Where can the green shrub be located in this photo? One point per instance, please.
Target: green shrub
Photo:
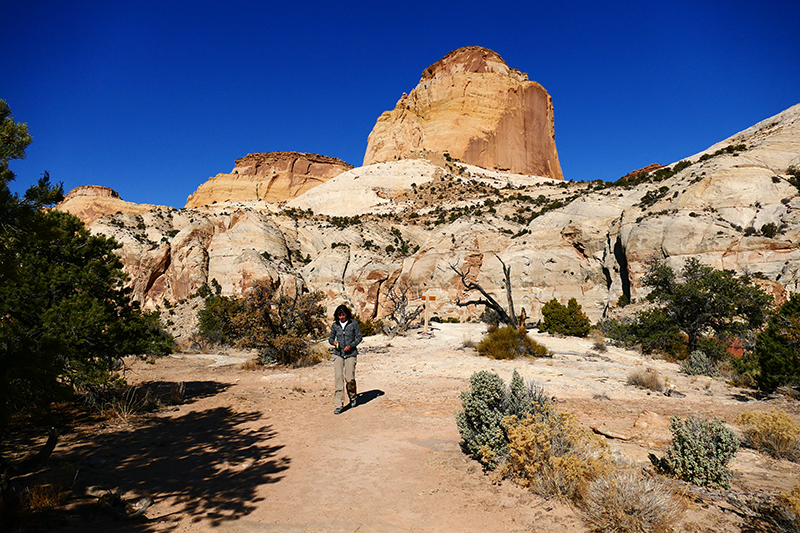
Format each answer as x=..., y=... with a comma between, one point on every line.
x=794, y=176
x=369, y=326
x=564, y=320
x=700, y=452
x=773, y=432
x=698, y=363
x=509, y=343
x=778, y=348
x=769, y=230
x=480, y=422
x=485, y=405
x=629, y=503
x=217, y=322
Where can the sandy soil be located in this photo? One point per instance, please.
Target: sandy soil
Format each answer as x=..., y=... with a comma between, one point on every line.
x=262, y=451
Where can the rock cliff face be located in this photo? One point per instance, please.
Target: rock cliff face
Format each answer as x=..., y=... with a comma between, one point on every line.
x=90, y=202
x=416, y=219
x=474, y=107
x=272, y=177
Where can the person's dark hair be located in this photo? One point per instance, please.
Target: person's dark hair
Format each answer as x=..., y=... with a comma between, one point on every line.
x=342, y=308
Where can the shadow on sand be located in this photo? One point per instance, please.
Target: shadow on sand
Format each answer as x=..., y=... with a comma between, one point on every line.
x=209, y=464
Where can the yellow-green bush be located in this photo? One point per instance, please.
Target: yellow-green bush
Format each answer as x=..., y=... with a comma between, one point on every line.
x=553, y=454
x=626, y=503
x=773, y=432
x=509, y=343
x=791, y=502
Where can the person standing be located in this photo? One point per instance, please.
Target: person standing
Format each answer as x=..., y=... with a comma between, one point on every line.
x=345, y=337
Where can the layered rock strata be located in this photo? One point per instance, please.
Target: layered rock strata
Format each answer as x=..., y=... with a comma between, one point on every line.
x=271, y=177
x=90, y=202
x=472, y=106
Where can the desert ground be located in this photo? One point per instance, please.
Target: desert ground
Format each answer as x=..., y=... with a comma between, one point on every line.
x=257, y=451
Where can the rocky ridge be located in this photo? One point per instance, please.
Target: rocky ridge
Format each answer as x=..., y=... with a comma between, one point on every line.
x=269, y=177
x=90, y=202
x=415, y=219
x=474, y=107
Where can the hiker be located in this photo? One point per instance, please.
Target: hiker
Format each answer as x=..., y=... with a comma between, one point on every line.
x=345, y=337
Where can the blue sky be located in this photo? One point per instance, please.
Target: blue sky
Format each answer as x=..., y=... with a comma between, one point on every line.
x=153, y=98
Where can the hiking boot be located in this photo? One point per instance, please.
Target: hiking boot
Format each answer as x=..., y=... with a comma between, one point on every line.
x=338, y=410
x=353, y=402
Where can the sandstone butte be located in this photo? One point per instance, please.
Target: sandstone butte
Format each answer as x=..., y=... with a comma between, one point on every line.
x=90, y=202
x=271, y=177
x=474, y=107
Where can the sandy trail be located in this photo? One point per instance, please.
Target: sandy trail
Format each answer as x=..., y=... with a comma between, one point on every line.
x=262, y=451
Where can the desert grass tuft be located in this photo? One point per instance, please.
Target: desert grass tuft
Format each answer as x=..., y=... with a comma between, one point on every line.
x=626, y=502
x=598, y=340
x=646, y=378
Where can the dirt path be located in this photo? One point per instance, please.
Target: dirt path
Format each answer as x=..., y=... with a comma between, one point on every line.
x=262, y=451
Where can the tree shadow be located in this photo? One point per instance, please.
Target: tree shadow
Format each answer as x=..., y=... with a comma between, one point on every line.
x=205, y=462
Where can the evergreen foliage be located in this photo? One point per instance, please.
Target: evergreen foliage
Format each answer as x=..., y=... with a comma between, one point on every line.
x=778, y=348
x=216, y=319
x=65, y=316
x=706, y=300
x=565, y=320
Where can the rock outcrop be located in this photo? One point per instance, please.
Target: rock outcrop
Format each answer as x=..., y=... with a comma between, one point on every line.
x=90, y=202
x=416, y=219
x=271, y=177
x=472, y=106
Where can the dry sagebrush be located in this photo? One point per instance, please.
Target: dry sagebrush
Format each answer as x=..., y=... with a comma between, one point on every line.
x=773, y=432
x=627, y=502
x=646, y=378
x=553, y=454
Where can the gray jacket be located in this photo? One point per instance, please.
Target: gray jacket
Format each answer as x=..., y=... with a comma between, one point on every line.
x=350, y=335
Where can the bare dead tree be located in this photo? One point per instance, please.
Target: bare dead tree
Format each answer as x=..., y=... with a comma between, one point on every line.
x=505, y=316
x=400, y=316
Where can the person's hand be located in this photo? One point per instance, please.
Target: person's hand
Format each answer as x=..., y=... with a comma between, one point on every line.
x=347, y=349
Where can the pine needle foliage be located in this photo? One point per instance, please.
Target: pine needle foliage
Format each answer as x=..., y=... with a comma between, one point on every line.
x=567, y=319
x=778, y=348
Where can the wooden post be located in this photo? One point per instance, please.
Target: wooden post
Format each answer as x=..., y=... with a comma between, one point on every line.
x=427, y=299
